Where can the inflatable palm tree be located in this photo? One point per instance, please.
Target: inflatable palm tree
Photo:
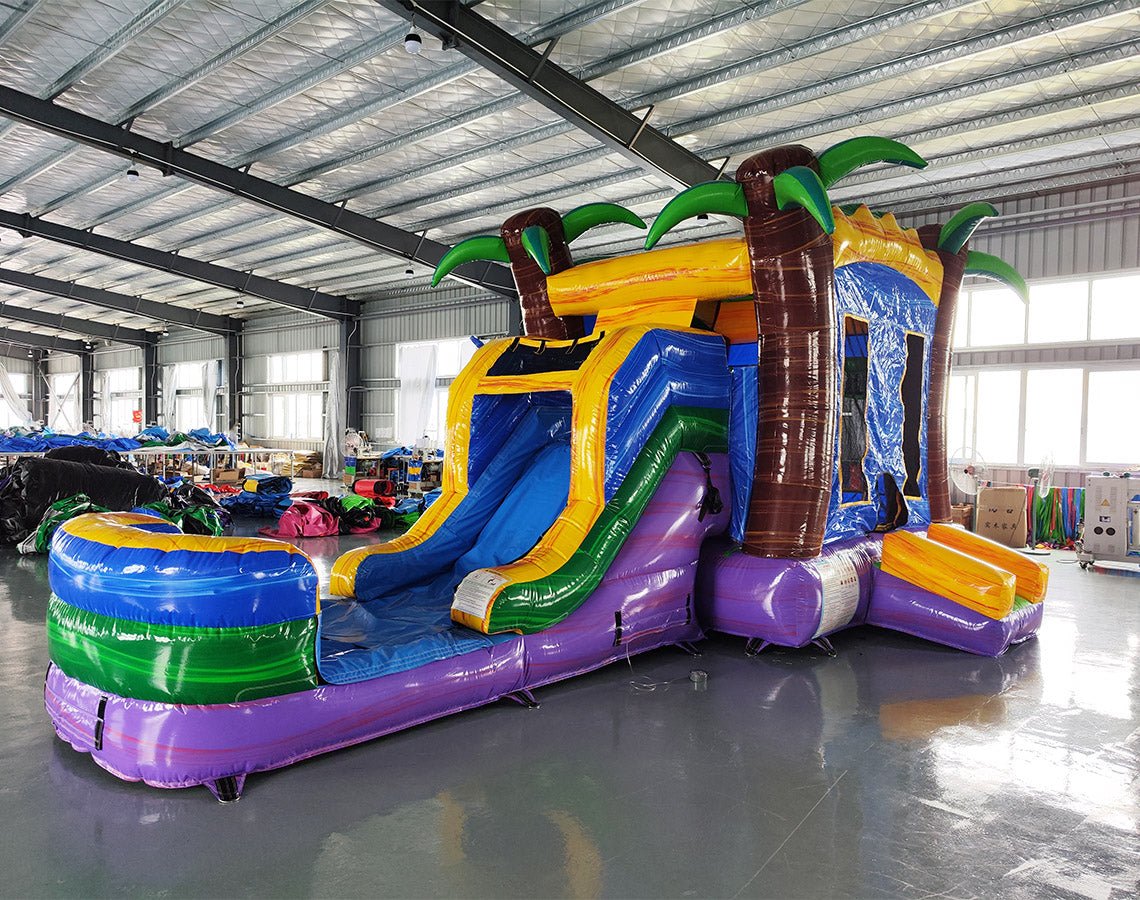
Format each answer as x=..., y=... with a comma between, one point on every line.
x=537, y=244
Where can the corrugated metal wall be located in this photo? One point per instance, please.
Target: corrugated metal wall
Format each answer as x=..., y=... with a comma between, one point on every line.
x=457, y=313
x=13, y=364
x=1073, y=232
x=188, y=345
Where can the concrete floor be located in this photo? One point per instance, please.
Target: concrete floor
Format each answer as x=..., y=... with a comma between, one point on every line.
x=897, y=769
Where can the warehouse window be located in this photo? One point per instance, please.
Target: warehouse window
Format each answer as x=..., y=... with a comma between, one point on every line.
x=297, y=417
x=123, y=396
x=63, y=402
x=986, y=411
x=297, y=368
x=1062, y=402
x=997, y=429
x=1115, y=312
x=426, y=370
x=194, y=401
x=1113, y=427
x=1100, y=309
x=1058, y=312
x=997, y=317
x=21, y=383
x=1053, y=415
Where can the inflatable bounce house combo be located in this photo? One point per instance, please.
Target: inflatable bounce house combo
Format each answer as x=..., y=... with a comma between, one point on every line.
x=743, y=435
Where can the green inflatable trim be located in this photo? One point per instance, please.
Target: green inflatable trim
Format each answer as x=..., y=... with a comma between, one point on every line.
x=721, y=197
x=180, y=664
x=533, y=606
x=845, y=157
x=536, y=243
x=802, y=187
x=578, y=221
x=481, y=247
x=957, y=231
x=988, y=266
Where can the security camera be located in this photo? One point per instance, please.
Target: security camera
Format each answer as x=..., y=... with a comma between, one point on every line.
x=413, y=43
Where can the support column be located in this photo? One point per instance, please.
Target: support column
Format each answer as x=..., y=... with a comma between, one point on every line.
x=39, y=386
x=150, y=384
x=86, y=388
x=231, y=373
x=349, y=347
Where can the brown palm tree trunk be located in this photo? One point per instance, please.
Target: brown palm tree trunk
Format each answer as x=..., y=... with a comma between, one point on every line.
x=937, y=463
x=538, y=317
x=793, y=283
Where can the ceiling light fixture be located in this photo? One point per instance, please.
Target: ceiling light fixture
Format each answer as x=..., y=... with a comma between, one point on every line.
x=413, y=43
x=240, y=304
x=133, y=175
x=409, y=271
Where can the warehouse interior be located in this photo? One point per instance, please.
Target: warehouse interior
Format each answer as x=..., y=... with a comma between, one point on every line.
x=220, y=223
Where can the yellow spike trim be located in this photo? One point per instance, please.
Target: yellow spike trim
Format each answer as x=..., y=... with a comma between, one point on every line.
x=861, y=237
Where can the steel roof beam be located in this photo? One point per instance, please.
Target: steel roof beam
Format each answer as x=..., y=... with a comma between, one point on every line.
x=1038, y=26
x=16, y=18
x=290, y=295
x=1063, y=65
x=171, y=161
x=108, y=49
x=174, y=87
x=150, y=309
x=552, y=86
x=804, y=49
x=43, y=341
x=308, y=80
x=119, y=333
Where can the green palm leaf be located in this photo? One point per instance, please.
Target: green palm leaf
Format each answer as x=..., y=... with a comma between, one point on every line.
x=485, y=246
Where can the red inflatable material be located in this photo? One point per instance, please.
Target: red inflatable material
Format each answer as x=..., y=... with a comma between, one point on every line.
x=304, y=519
x=374, y=487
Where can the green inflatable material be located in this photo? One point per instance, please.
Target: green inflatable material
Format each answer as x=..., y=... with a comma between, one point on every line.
x=535, y=605
x=181, y=664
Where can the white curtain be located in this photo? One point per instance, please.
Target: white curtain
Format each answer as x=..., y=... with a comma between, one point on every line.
x=169, y=397
x=209, y=391
x=20, y=412
x=417, y=367
x=103, y=392
x=335, y=409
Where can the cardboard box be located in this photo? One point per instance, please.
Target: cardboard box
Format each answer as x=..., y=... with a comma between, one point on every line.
x=226, y=476
x=963, y=514
x=1002, y=515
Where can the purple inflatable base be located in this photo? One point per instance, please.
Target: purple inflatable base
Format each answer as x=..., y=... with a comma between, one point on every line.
x=901, y=606
x=783, y=601
x=793, y=603
x=644, y=602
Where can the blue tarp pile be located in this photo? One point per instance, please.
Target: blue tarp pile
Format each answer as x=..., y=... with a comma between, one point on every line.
x=261, y=495
x=19, y=440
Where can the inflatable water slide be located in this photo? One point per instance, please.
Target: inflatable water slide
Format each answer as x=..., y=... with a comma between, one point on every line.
x=743, y=435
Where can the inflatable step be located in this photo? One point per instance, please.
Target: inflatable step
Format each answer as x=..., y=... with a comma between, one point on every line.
x=943, y=570
x=1031, y=576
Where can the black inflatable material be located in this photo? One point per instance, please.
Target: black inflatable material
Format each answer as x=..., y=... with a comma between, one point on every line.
x=97, y=456
x=33, y=484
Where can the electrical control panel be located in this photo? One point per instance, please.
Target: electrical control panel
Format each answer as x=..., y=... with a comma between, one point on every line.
x=1112, y=519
